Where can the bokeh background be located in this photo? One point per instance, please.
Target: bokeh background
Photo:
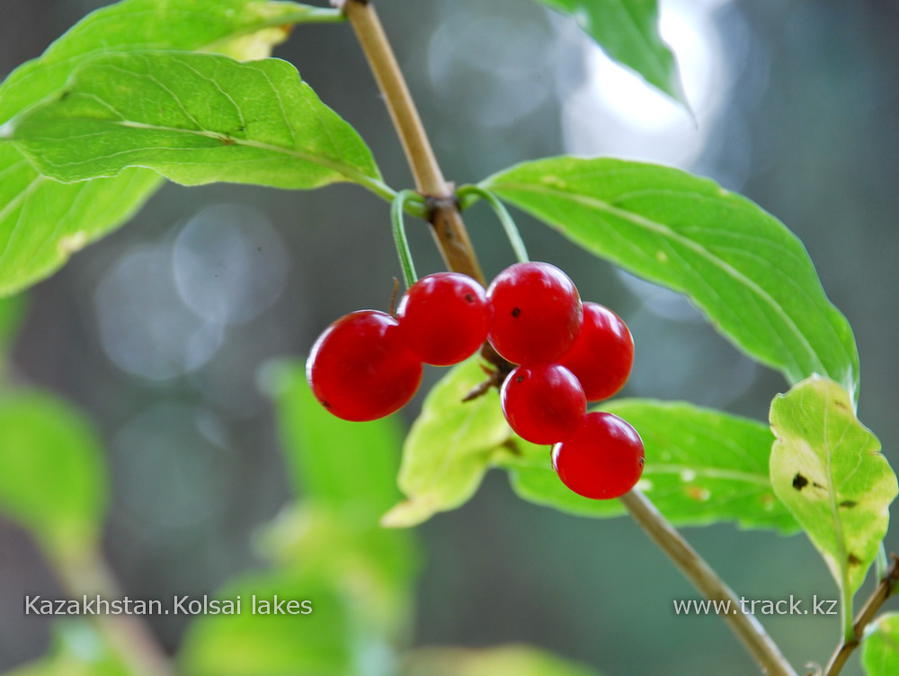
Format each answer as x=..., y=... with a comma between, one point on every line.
x=158, y=331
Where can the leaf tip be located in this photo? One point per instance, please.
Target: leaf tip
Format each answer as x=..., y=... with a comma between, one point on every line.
x=407, y=514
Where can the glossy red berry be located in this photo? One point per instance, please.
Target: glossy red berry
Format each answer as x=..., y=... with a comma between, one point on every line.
x=543, y=404
x=444, y=318
x=602, y=460
x=536, y=313
x=602, y=354
x=360, y=368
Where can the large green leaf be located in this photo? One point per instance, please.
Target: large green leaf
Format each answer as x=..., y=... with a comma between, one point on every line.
x=828, y=470
x=194, y=118
x=628, y=31
x=880, y=648
x=52, y=477
x=739, y=264
x=520, y=660
x=42, y=222
x=246, y=644
x=702, y=466
x=449, y=448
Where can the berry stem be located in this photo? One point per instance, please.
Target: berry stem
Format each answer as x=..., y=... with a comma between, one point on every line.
x=399, y=235
x=455, y=246
x=505, y=218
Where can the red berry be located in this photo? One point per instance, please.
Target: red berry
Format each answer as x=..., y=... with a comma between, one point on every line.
x=602, y=354
x=536, y=313
x=360, y=368
x=543, y=404
x=444, y=318
x=604, y=458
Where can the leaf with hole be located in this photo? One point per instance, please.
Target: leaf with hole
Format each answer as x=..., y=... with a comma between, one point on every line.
x=826, y=467
x=749, y=274
x=42, y=222
x=449, y=448
x=628, y=32
x=702, y=466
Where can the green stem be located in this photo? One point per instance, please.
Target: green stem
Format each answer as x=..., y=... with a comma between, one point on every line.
x=505, y=218
x=881, y=563
x=846, y=610
x=310, y=14
x=871, y=607
x=84, y=571
x=399, y=234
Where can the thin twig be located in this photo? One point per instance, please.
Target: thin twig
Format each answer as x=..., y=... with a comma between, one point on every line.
x=446, y=223
x=881, y=593
x=453, y=241
x=130, y=637
x=748, y=629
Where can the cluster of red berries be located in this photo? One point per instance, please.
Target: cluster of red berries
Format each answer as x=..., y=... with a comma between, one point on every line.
x=368, y=364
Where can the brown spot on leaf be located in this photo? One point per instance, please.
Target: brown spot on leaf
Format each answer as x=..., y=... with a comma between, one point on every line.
x=853, y=559
x=799, y=482
x=697, y=493
x=848, y=504
x=226, y=140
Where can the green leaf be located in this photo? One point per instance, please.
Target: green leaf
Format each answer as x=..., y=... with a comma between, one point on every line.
x=194, y=118
x=702, y=466
x=449, y=448
x=246, y=644
x=628, y=32
x=880, y=648
x=520, y=660
x=346, y=474
x=52, y=477
x=43, y=222
x=333, y=462
x=740, y=265
x=828, y=470
x=374, y=566
x=194, y=25
x=11, y=311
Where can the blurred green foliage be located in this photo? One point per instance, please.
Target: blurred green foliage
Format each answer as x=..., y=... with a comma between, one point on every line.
x=53, y=479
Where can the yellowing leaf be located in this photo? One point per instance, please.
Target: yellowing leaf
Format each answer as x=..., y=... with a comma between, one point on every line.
x=450, y=447
x=827, y=469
